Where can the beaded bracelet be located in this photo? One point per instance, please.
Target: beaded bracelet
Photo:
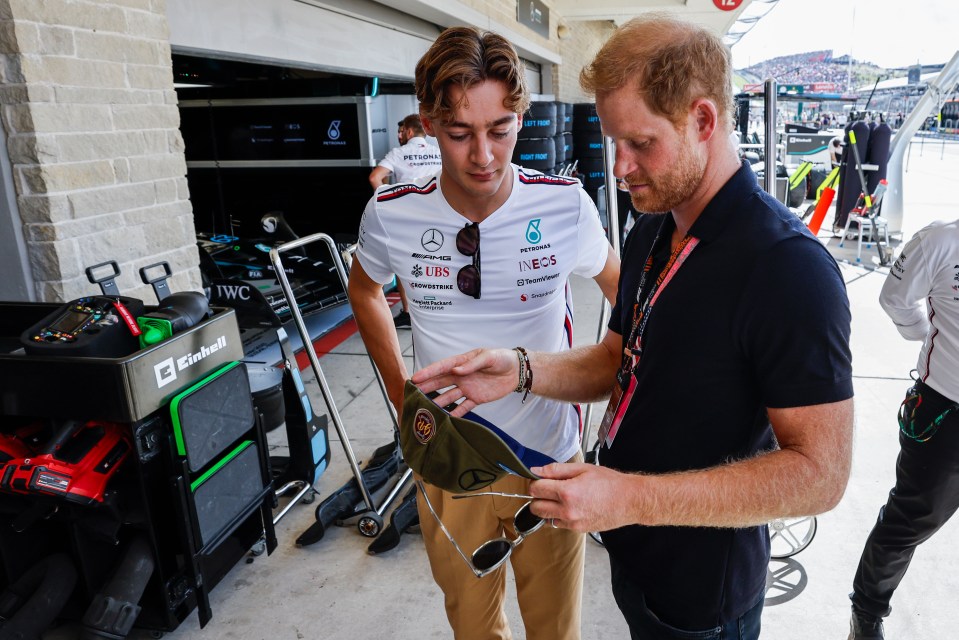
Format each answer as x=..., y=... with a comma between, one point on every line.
x=526, y=373
x=521, y=383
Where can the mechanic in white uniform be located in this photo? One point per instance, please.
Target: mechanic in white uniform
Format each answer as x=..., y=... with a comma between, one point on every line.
x=927, y=470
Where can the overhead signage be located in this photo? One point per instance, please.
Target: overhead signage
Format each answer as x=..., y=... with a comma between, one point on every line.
x=273, y=132
x=534, y=14
x=727, y=5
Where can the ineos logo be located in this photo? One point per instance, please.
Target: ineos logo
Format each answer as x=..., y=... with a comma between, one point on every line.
x=432, y=240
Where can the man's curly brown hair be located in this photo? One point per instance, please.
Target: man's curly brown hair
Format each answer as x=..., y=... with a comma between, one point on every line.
x=464, y=57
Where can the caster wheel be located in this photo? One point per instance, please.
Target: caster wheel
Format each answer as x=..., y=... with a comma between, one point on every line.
x=258, y=548
x=789, y=536
x=370, y=525
x=156, y=634
x=309, y=497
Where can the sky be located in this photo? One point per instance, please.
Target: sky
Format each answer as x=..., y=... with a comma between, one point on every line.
x=889, y=33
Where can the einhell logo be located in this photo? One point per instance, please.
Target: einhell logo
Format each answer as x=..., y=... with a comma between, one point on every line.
x=166, y=371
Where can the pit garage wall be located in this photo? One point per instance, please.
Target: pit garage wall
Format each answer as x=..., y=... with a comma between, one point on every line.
x=356, y=37
x=96, y=167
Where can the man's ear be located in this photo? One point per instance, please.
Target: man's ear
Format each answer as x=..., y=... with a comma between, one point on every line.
x=706, y=117
x=519, y=121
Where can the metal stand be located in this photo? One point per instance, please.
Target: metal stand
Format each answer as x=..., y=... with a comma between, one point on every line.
x=612, y=233
x=369, y=521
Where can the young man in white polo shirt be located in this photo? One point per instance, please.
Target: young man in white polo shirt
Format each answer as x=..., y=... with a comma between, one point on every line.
x=485, y=250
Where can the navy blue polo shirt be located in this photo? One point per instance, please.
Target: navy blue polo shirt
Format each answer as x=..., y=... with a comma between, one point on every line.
x=756, y=317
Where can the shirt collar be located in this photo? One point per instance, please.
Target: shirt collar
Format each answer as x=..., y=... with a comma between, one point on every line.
x=718, y=211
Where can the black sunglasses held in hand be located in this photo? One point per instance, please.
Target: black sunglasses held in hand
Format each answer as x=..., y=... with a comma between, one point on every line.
x=468, y=243
x=491, y=554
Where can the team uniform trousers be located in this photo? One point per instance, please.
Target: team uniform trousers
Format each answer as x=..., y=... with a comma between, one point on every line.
x=925, y=496
x=548, y=566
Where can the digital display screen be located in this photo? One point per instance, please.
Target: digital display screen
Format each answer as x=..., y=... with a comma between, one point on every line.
x=272, y=132
x=70, y=322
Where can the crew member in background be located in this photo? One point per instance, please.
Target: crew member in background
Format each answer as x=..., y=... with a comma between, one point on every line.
x=927, y=469
x=415, y=158
x=835, y=151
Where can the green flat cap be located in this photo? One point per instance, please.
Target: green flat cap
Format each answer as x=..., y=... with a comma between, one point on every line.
x=454, y=454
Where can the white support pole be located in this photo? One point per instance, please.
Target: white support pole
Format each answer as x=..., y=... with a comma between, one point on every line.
x=892, y=207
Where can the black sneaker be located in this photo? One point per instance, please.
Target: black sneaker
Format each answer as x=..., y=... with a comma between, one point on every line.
x=865, y=627
x=402, y=320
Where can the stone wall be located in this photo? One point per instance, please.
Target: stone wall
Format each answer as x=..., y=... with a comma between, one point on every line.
x=89, y=109
x=578, y=50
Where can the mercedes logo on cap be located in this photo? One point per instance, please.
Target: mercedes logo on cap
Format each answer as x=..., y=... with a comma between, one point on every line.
x=432, y=240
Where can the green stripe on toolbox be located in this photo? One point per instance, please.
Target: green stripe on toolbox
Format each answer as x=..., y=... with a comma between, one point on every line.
x=175, y=404
x=219, y=465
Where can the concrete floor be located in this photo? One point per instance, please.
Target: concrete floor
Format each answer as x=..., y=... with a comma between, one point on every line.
x=334, y=589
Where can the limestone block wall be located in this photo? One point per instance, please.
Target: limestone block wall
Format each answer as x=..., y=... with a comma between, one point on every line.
x=90, y=114
x=579, y=49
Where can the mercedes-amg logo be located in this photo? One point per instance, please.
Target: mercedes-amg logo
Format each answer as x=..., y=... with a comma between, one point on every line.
x=473, y=479
x=432, y=240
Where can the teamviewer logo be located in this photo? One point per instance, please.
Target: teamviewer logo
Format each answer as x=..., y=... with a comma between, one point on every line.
x=165, y=372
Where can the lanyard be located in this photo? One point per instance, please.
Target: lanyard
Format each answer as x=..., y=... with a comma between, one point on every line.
x=642, y=311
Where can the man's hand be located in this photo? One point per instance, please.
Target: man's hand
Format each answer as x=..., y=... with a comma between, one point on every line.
x=584, y=497
x=478, y=376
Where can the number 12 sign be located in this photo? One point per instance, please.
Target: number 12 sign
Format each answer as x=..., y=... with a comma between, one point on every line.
x=727, y=5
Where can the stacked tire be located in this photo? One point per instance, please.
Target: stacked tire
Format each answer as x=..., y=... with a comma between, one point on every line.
x=588, y=147
x=535, y=144
x=564, y=135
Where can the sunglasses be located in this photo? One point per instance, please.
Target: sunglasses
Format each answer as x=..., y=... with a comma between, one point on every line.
x=491, y=554
x=468, y=243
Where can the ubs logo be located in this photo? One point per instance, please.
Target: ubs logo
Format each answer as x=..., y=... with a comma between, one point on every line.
x=432, y=240
x=333, y=133
x=424, y=426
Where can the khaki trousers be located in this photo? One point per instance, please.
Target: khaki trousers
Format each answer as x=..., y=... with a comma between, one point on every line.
x=547, y=565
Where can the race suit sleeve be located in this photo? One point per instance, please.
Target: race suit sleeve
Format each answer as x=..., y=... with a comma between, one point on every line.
x=907, y=285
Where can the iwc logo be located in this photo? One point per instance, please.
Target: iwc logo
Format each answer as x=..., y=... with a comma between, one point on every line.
x=432, y=240
x=424, y=426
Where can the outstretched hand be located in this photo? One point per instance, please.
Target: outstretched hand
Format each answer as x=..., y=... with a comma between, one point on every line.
x=478, y=376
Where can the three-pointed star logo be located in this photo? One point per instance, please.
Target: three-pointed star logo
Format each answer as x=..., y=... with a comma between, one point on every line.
x=473, y=479
x=432, y=240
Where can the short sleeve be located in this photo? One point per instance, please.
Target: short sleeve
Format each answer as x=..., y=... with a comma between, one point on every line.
x=795, y=326
x=372, y=246
x=389, y=162
x=593, y=244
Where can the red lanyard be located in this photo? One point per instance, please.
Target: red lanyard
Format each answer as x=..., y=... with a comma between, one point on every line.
x=641, y=312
